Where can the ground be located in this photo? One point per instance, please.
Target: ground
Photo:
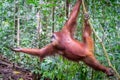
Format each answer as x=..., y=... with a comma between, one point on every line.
x=11, y=71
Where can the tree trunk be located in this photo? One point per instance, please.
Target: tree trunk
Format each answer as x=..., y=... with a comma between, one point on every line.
x=39, y=27
x=53, y=10
x=67, y=8
x=17, y=24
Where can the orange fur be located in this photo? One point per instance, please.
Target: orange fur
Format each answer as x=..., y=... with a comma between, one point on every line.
x=63, y=43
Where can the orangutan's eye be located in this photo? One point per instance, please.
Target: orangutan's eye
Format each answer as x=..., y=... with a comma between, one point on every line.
x=53, y=37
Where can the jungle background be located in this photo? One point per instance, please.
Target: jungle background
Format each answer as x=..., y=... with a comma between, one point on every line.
x=30, y=23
